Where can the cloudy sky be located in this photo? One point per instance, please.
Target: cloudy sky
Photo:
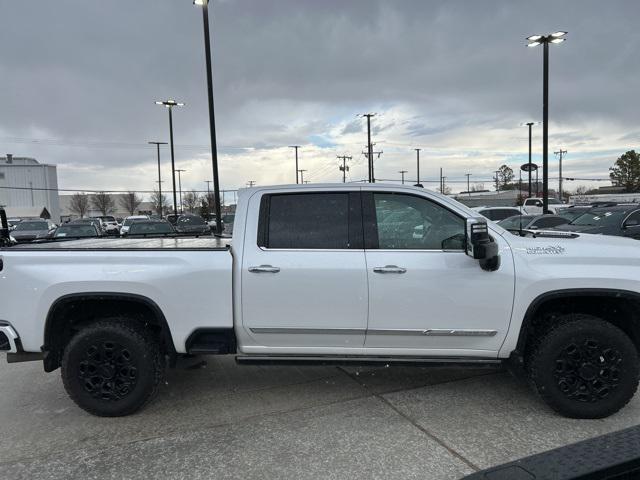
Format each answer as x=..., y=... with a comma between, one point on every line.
x=78, y=81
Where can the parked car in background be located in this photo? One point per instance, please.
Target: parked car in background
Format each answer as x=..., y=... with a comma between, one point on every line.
x=532, y=222
x=75, y=230
x=13, y=222
x=29, y=230
x=497, y=213
x=96, y=222
x=571, y=212
x=194, y=224
x=147, y=228
x=129, y=220
x=533, y=206
x=172, y=218
x=618, y=220
x=227, y=222
x=109, y=225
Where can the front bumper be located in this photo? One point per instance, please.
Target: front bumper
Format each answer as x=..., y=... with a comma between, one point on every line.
x=9, y=339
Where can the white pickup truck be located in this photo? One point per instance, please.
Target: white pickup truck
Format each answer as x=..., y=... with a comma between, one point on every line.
x=534, y=206
x=331, y=274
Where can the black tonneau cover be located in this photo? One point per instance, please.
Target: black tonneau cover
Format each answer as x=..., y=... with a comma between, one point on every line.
x=118, y=244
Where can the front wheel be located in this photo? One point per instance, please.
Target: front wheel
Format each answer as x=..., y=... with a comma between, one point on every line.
x=112, y=368
x=584, y=367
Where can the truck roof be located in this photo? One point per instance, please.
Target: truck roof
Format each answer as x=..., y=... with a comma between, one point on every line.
x=157, y=243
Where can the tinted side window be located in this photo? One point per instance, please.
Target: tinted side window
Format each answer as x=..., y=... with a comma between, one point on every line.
x=306, y=220
x=633, y=220
x=412, y=222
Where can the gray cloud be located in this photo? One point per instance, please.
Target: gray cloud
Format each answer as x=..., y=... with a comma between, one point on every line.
x=289, y=70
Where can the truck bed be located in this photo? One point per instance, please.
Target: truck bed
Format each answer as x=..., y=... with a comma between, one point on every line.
x=158, y=243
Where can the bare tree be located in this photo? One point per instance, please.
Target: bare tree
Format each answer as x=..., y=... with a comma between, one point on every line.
x=79, y=204
x=190, y=200
x=130, y=202
x=581, y=190
x=102, y=202
x=207, y=205
x=160, y=203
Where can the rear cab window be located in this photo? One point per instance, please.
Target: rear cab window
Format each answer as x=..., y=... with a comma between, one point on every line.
x=322, y=220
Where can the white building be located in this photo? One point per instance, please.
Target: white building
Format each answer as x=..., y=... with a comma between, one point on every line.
x=28, y=188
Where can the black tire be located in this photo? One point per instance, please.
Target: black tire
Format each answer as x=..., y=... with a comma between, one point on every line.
x=112, y=368
x=584, y=367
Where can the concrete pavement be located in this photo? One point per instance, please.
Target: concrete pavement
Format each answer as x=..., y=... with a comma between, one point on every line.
x=227, y=421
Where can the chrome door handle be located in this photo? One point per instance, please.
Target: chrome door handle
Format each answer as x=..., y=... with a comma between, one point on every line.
x=264, y=269
x=389, y=269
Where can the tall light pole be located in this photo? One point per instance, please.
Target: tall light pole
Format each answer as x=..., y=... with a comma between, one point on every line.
x=170, y=104
x=402, y=172
x=296, y=147
x=157, y=144
x=418, y=184
x=179, y=171
x=212, y=119
x=529, y=124
x=468, y=187
x=545, y=40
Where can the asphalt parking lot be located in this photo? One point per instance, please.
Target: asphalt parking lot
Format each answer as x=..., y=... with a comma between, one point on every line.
x=220, y=420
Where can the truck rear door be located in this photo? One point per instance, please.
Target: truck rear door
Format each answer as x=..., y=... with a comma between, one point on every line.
x=304, y=278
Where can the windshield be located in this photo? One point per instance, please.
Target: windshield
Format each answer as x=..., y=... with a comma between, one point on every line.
x=77, y=230
x=107, y=219
x=554, y=201
x=143, y=228
x=513, y=223
x=191, y=221
x=24, y=226
x=600, y=218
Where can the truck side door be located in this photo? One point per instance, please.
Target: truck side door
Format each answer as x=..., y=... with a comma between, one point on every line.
x=425, y=295
x=304, y=278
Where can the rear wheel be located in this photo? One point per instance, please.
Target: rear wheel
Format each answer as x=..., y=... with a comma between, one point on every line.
x=584, y=367
x=112, y=368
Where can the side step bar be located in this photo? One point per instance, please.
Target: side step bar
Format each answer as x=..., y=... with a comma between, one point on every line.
x=358, y=360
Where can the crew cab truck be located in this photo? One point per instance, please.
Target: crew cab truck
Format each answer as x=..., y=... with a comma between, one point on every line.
x=331, y=273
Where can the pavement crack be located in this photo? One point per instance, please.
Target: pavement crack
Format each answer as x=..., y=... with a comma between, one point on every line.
x=414, y=422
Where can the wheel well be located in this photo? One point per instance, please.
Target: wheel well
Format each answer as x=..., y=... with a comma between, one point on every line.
x=619, y=308
x=70, y=313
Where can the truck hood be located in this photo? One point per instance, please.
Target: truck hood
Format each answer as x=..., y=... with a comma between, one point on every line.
x=584, y=247
x=581, y=229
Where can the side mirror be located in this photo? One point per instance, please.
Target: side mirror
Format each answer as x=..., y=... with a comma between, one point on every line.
x=480, y=245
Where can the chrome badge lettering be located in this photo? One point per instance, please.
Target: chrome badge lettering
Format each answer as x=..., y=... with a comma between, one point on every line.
x=548, y=250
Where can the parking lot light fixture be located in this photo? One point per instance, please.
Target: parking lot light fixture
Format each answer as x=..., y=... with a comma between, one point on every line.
x=545, y=40
x=170, y=104
x=204, y=4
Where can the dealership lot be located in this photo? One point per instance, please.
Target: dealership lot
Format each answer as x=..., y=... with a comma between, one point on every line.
x=216, y=419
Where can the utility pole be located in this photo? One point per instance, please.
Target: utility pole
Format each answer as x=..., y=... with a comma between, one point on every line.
x=402, y=172
x=208, y=182
x=251, y=183
x=498, y=181
x=296, y=147
x=468, y=186
x=370, y=146
x=417, y=166
x=344, y=168
x=561, y=153
x=180, y=188
x=157, y=144
x=440, y=179
x=443, y=185
x=302, y=175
